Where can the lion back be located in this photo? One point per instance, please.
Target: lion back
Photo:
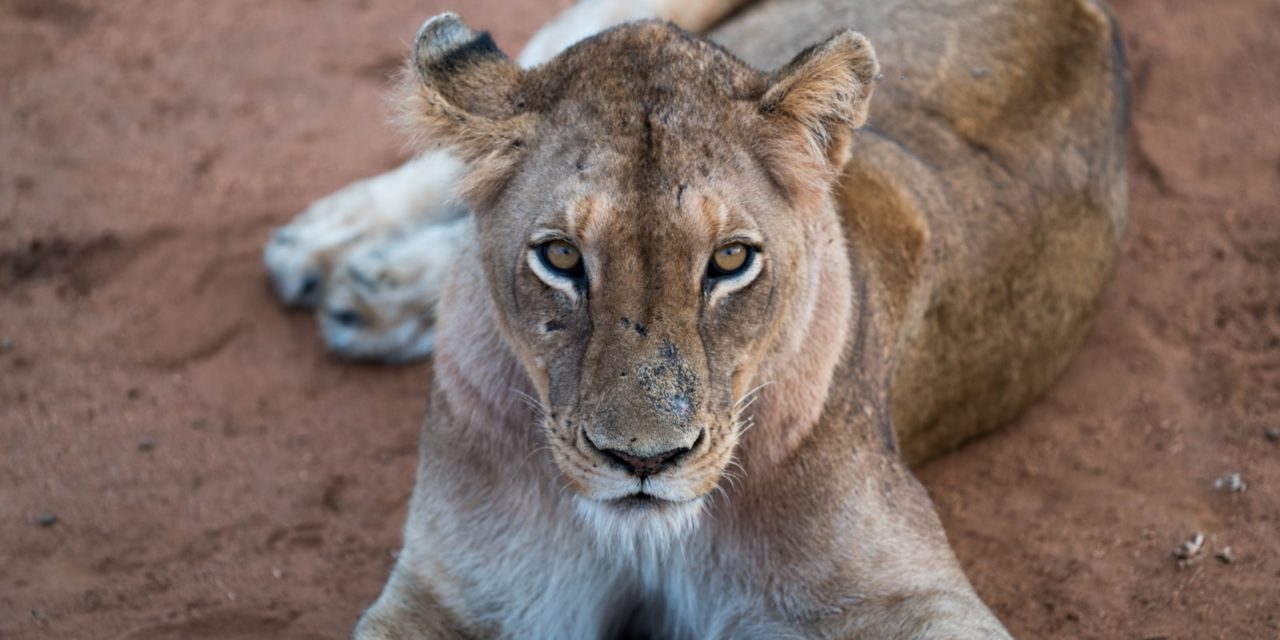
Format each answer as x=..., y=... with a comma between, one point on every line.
x=987, y=191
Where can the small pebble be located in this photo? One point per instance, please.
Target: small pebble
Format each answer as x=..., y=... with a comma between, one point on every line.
x=277, y=574
x=1188, y=552
x=1225, y=556
x=1273, y=434
x=1231, y=482
x=979, y=72
x=46, y=520
x=146, y=444
x=6, y=345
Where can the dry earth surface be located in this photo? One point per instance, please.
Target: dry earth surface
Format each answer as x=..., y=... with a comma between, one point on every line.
x=180, y=459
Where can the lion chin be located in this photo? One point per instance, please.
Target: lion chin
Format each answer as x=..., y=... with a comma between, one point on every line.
x=639, y=526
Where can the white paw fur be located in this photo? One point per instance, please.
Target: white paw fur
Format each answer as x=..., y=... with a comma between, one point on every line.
x=301, y=255
x=381, y=297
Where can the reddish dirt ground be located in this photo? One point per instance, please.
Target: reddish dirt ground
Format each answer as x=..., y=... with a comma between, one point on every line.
x=180, y=459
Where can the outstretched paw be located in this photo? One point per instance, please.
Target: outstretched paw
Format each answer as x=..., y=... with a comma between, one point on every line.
x=380, y=302
x=301, y=255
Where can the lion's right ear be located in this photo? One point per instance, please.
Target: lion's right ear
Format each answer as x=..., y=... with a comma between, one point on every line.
x=814, y=104
x=461, y=94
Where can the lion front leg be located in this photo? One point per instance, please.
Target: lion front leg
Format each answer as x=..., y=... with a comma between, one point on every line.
x=407, y=610
x=932, y=615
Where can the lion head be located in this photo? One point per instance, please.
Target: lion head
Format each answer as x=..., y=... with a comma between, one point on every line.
x=654, y=223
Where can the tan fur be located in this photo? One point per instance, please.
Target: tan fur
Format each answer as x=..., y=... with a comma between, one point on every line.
x=930, y=275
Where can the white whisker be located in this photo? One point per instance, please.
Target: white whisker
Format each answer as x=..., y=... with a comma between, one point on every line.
x=753, y=391
x=535, y=451
x=533, y=402
x=722, y=493
x=746, y=406
x=705, y=507
x=733, y=462
x=733, y=479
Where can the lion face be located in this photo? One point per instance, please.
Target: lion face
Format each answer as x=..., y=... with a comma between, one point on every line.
x=640, y=308
x=645, y=206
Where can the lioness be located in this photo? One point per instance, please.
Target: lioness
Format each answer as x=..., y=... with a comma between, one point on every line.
x=694, y=323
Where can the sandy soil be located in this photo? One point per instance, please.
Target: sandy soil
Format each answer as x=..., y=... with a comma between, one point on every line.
x=180, y=459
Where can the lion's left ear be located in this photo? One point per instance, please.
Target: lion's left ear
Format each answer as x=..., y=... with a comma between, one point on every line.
x=462, y=95
x=814, y=103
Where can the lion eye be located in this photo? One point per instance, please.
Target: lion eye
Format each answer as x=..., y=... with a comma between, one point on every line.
x=562, y=258
x=729, y=260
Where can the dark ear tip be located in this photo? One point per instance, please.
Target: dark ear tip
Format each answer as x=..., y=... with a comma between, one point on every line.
x=440, y=35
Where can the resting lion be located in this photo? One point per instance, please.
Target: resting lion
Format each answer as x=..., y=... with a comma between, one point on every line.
x=695, y=322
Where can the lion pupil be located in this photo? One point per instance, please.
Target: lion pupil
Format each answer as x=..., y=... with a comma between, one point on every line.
x=730, y=258
x=562, y=255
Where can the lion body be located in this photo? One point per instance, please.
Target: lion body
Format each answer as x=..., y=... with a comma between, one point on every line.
x=943, y=282
x=987, y=189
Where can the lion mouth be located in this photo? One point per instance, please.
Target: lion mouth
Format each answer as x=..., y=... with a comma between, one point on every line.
x=641, y=501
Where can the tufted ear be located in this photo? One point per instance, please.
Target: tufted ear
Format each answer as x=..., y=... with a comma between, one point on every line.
x=461, y=94
x=812, y=106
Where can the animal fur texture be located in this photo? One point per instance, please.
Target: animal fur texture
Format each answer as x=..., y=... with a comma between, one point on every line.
x=933, y=204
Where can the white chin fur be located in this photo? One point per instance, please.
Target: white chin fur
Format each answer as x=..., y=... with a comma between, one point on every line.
x=640, y=532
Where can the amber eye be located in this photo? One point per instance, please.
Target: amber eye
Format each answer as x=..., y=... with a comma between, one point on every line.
x=562, y=258
x=729, y=260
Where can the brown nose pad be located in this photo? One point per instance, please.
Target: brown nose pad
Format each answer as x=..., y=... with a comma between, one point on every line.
x=644, y=467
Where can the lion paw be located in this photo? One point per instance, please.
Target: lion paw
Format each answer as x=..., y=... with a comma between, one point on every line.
x=380, y=301
x=301, y=255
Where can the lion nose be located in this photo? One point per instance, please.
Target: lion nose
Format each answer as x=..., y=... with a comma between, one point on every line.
x=643, y=466
x=647, y=466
